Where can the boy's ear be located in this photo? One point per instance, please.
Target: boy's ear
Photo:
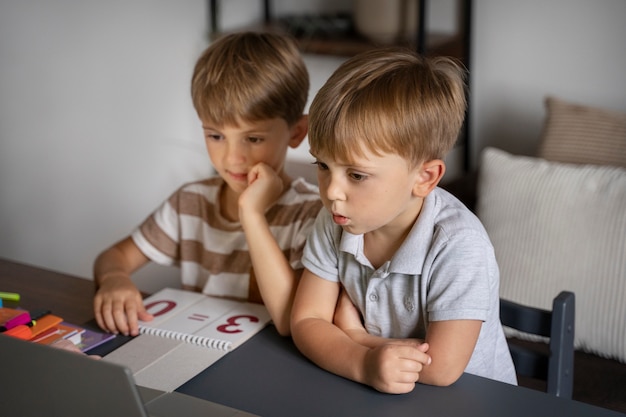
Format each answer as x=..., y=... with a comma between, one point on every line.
x=298, y=131
x=428, y=176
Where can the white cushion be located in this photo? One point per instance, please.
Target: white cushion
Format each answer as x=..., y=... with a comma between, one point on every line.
x=557, y=226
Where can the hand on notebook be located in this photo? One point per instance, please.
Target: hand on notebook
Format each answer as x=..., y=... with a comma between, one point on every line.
x=118, y=306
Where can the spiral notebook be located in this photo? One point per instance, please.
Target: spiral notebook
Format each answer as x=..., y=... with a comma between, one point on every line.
x=189, y=332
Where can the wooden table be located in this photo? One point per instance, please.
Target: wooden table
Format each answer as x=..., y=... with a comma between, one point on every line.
x=66, y=296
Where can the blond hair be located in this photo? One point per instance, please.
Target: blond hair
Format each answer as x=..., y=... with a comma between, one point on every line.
x=389, y=100
x=250, y=76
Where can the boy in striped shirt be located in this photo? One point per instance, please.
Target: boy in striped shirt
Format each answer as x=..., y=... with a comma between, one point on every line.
x=241, y=233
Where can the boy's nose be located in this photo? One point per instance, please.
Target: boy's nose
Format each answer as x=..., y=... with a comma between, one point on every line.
x=334, y=190
x=235, y=153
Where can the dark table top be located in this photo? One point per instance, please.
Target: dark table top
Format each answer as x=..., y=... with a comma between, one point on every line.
x=268, y=376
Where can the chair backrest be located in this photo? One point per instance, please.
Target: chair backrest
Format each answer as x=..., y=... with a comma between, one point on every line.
x=557, y=365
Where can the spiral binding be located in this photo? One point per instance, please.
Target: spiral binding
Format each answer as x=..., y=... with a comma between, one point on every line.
x=208, y=342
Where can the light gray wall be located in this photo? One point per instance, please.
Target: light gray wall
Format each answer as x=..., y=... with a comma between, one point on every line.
x=525, y=50
x=97, y=128
x=96, y=124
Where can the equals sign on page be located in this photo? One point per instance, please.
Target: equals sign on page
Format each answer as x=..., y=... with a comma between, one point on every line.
x=198, y=317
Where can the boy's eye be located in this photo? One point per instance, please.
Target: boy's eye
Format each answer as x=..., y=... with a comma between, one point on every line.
x=214, y=136
x=320, y=165
x=357, y=177
x=254, y=139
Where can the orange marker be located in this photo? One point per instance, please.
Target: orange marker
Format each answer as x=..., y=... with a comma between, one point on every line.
x=21, y=332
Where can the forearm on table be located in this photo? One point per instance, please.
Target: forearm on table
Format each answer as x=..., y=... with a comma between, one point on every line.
x=451, y=344
x=444, y=369
x=440, y=372
x=118, y=262
x=362, y=337
x=110, y=265
x=330, y=348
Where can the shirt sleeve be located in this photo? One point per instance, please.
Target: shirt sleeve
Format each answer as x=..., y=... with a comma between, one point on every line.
x=321, y=249
x=158, y=236
x=462, y=279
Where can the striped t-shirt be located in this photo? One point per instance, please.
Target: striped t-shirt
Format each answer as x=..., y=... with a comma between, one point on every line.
x=188, y=231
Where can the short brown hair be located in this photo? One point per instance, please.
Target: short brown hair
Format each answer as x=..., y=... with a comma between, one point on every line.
x=389, y=100
x=250, y=76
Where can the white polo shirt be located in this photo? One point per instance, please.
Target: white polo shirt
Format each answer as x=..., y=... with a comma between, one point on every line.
x=444, y=270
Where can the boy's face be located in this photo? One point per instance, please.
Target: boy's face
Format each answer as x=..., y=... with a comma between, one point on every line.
x=370, y=193
x=234, y=150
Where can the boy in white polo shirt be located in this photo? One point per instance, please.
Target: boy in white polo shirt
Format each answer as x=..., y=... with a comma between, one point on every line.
x=420, y=281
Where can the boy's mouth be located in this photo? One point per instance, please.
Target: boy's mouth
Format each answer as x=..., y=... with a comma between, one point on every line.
x=238, y=176
x=340, y=220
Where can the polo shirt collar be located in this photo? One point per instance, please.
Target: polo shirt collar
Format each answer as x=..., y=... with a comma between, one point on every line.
x=410, y=256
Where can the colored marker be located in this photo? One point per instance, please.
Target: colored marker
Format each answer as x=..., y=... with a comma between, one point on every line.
x=21, y=332
x=21, y=318
x=9, y=296
x=37, y=314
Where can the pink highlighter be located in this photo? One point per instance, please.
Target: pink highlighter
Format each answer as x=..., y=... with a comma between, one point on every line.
x=22, y=318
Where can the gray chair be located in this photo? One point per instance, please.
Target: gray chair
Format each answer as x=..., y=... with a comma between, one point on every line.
x=557, y=365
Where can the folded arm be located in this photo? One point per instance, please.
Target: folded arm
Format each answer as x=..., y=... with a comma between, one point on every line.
x=390, y=367
x=348, y=318
x=450, y=343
